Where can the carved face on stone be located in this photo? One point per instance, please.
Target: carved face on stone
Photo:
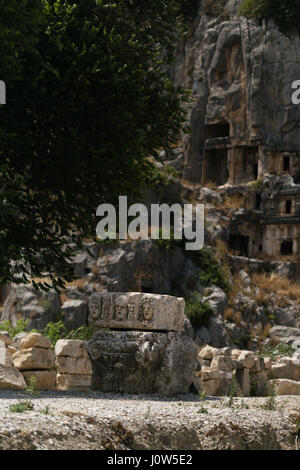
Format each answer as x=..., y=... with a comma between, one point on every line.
x=147, y=308
x=95, y=307
x=121, y=307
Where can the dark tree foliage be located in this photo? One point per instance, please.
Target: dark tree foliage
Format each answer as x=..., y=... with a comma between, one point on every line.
x=87, y=103
x=285, y=13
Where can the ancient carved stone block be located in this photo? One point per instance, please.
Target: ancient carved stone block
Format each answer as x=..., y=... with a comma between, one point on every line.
x=142, y=362
x=136, y=311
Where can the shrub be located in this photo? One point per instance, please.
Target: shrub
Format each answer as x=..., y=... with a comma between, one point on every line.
x=21, y=407
x=20, y=327
x=285, y=13
x=270, y=404
x=169, y=243
x=189, y=9
x=212, y=7
x=281, y=349
x=212, y=273
x=55, y=331
x=198, y=312
x=30, y=393
x=84, y=333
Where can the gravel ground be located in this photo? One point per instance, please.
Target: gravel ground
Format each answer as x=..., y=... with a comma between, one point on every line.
x=108, y=421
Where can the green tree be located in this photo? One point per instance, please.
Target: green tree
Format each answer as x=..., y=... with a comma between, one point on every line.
x=88, y=102
x=285, y=13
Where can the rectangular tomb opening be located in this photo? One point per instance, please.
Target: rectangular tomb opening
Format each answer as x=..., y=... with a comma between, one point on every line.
x=286, y=248
x=239, y=244
x=216, y=167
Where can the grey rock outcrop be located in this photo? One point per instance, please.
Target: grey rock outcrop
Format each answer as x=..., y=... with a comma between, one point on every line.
x=36, y=306
x=74, y=313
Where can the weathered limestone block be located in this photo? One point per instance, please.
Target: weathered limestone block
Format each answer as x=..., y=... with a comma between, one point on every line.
x=209, y=375
x=247, y=359
x=34, y=340
x=258, y=381
x=222, y=352
x=259, y=364
x=281, y=371
x=287, y=368
x=73, y=382
x=74, y=313
x=5, y=356
x=235, y=353
x=142, y=362
x=243, y=379
x=207, y=352
x=73, y=365
x=211, y=387
x=224, y=363
x=204, y=362
x=45, y=379
x=71, y=348
x=4, y=336
x=268, y=363
x=17, y=339
x=11, y=378
x=285, y=386
x=226, y=379
x=136, y=311
x=34, y=359
x=11, y=350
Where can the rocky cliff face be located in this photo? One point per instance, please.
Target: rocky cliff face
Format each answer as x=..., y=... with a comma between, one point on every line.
x=241, y=76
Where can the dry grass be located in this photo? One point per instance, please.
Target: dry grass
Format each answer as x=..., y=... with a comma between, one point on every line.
x=95, y=270
x=63, y=297
x=222, y=249
x=78, y=282
x=262, y=298
x=42, y=280
x=269, y=284
x=233, y=316
x=234, y=202
x=235, y=288
x=228, y=314
x=211, y=185
x=189, y=184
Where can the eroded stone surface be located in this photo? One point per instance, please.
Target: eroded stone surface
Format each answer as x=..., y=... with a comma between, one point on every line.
x=73, y=365
x=73, y=382
x=71, y=348
x=34, y=340
x=285, y=386
x=5, y=356
x=142, y=362
x=45, y=379
x=34, y=359
x=11, y=378
x=136, y=311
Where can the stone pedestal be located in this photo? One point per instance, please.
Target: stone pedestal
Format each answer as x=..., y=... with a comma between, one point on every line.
x=136, y=362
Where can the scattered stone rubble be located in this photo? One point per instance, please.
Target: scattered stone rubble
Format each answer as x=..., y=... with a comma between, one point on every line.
x=253, y=375
x=67, y=368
